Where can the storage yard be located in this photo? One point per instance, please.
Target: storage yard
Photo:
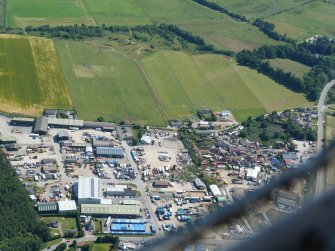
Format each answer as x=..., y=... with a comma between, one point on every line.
x=70, y=165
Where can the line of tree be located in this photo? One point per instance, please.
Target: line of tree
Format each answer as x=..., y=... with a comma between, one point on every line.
x=166, y=31
x=266, y=27
x=21, y=229
x=312, y=83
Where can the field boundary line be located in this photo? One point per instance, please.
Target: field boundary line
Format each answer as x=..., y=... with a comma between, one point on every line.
x=88, y=11
x=177, y=80
x=154, y=95
x=209, y=82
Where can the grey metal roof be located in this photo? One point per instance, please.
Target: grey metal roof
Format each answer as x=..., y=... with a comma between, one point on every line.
x=93, y=124
x=63, y=133
x=66, y=122
x=199, y=183
x=110, y=151
x=41, y=125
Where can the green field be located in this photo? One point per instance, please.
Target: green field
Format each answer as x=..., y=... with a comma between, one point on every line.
x=304, y=22
x=66, y=223
x=258, y=8
x=108, y=84
x=41, y=12
x=117, y=12
x=290, y=66
x=216, y=28
x=185, y=83
x=30, y=76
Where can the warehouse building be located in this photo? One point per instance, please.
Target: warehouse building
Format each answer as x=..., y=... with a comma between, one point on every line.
x=215, y=190
x=67, y=206
x=63, y=135
x=65, y=123
x=110, y=152
x=106, y=126
x=89, y=190
x=19, y=121
x=161, y=184
x=118, y=190
x=96, y=210
x=199, y=183
x=47, y=207
x=41, y=126
x=7, y=140
x=102, y=143
x=146, y=140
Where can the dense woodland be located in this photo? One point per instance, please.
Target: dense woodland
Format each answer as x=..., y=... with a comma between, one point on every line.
x=21, y=229
x=319, y=55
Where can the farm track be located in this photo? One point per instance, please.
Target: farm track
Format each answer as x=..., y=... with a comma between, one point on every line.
x=143, y=74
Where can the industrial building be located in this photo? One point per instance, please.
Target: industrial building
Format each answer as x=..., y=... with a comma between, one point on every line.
x=67, y=206
x=252, y=173
x=47, y=207
x=117, y=190
x=7, y=140
x=110, y=210
x=215, y=190
x=89, y=190
x=199, y=183
x=110, y=152
x=19, y=121
x=146, y=140
x=102, y=143
x=41, y=126
x=160, y=184
x=63, y=135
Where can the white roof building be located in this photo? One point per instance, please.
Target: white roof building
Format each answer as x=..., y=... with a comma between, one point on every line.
x=215, y=190
x=252, y=174
x=89, y=190
x=146, y=140
x=67, y=206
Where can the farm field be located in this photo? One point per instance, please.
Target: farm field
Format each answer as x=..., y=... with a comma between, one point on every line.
x=258, y=9
x=22, y=13
x=116, y=12
x=216, y=28
x=30, y=76
x=304, y=22
x=185, y=83
x=103, y=83
x=290, y=66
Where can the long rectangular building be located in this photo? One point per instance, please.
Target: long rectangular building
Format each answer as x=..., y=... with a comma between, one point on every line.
x=110, y=210
x=89, y=190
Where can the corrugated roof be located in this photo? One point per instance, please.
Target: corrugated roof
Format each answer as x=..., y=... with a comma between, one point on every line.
x=99, y=209
x=48, y=206
x=89, y=187
x=66, y=122
x=20, y=119
x=41, y=124
x=110, y=151
x=215, y=190
x=7, y=138
x=67, y=205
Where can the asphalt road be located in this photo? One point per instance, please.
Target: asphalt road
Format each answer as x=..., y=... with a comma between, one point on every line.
x=320, y=178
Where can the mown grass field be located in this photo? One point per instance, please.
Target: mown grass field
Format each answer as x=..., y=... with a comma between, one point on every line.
x=185, y=83
x=260, y=8
x=103, y=83
x=21, y=13
x=329, y=137
x=290, y=66
x=309, y=20
x=30, y=75
x=217, y=29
